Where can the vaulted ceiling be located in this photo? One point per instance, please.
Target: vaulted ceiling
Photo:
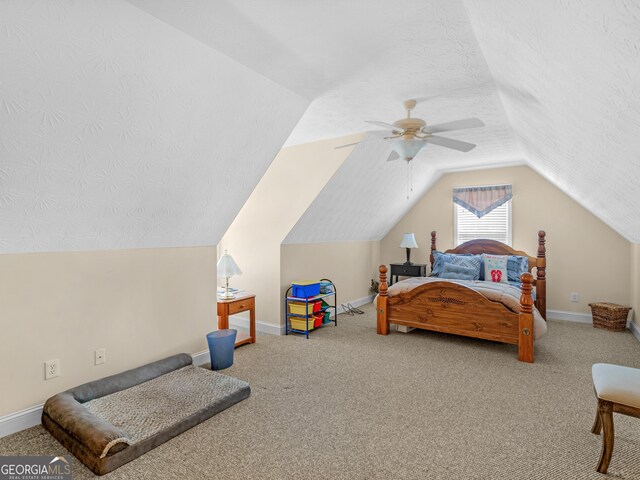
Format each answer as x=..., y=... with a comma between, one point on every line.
x=148, y=123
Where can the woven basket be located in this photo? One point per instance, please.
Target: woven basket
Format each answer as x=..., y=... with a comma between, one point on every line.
x=609, y=316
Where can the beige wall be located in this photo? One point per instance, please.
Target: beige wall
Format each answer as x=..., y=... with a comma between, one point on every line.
x=141, y=305
x=350, y=265
x=291, y=183
x=635, y=283
x=583, y=254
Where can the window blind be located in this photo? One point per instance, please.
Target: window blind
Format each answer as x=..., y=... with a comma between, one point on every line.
x=495, y=225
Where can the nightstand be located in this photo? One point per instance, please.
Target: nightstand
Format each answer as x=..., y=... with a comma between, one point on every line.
x=244, y=303
x=402, y=270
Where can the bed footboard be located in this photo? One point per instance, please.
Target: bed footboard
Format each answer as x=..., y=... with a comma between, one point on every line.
x=525, y=320
x=452, y=308
x=383, y=322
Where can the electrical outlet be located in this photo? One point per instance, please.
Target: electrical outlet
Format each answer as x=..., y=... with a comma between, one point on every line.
x=51, y=369
x=574, y=297
x=101, y=356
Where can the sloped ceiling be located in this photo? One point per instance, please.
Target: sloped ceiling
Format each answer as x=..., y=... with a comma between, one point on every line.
x=368, y=195
x=119, y=131
x=359, y=60
x=125, y=125
x=568, y=78
x=576, y=112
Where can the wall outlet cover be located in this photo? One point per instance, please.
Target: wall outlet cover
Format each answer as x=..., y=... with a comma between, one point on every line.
x=51, y=369
x=100, y=356
x=574, y=296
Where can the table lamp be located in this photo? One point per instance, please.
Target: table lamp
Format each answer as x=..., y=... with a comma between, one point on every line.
x=408, y=242
x=227, y=268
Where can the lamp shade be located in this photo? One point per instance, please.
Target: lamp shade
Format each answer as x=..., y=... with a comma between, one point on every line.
x=408, y=148
x=408, y=241
x=227, y=267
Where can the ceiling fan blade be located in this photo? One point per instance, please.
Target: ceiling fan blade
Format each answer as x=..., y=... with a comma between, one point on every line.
x=346, y=145
x=393, y=156
x=386, y=125
x=376, y=138
x=455, y=125
x=449, y=143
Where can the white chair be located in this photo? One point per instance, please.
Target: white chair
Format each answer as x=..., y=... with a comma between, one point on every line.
x=618, y=390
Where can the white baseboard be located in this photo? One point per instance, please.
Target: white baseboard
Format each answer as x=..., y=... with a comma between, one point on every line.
x=586, y=318
x=30, y=417
x=355, y=303
x=569, y=316
x=634, y=329
x=14, y=422
x=241, y=322
x=200, y=358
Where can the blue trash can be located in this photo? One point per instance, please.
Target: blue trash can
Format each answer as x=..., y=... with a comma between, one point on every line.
x=221, y=345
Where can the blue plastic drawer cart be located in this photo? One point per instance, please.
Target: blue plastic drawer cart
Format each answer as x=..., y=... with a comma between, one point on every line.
x=328, y=307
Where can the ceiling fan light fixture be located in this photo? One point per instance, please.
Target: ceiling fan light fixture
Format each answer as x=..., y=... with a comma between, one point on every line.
x=408, y=148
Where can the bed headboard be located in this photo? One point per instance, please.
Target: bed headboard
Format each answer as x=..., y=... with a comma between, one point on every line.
x=494, y=247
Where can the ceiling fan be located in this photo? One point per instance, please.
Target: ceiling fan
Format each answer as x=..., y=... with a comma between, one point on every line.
x=413, y=134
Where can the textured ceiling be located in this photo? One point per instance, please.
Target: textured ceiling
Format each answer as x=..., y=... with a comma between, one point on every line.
x=576, y=111
x=119, y=131
x=124, y=125
x=433, y=54
x=358, y=61
x=367, y=196
x=568, y=78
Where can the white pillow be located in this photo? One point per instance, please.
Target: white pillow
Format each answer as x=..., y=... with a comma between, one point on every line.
x=495, y=268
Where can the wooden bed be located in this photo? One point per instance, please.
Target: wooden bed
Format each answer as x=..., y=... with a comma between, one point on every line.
x=453, y=308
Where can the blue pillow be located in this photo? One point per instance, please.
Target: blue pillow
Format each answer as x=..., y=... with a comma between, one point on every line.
x=471, y=262
x=516, y=266
x=440, y=258
x=438, y=263
x=459, y=272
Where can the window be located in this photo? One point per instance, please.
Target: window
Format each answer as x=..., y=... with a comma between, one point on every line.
x=495, y=225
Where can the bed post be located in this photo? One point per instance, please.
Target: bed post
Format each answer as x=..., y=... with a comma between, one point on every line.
x=383, y=324
x=541, y=275
x=525, y=320
x=433, y=247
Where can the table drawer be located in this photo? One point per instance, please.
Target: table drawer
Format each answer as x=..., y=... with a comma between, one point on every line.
x=408, y=270
x=241, y=306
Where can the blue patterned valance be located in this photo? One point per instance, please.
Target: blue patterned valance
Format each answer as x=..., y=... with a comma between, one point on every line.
x=482, y=200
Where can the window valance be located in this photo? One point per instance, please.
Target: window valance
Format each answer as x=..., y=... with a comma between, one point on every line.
x=482, y=200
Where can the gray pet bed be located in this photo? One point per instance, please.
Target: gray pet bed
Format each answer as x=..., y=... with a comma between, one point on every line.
x=112, y=421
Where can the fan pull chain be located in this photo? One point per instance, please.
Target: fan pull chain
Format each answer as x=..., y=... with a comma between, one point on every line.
x=409, y=179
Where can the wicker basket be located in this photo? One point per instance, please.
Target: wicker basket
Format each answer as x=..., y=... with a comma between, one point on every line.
x=609, y=316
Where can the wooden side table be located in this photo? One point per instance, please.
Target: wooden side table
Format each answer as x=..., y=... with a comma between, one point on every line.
x=236, y=305
x=403, y=270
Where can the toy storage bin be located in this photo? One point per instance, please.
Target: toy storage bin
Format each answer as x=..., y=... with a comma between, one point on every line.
x=326, y=287
x=301, y=323
x=317, y=319
x=327, y=317
x=305, y=289
x=302, y=308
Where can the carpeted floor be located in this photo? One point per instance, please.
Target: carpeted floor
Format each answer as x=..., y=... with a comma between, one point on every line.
x=349, y=404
